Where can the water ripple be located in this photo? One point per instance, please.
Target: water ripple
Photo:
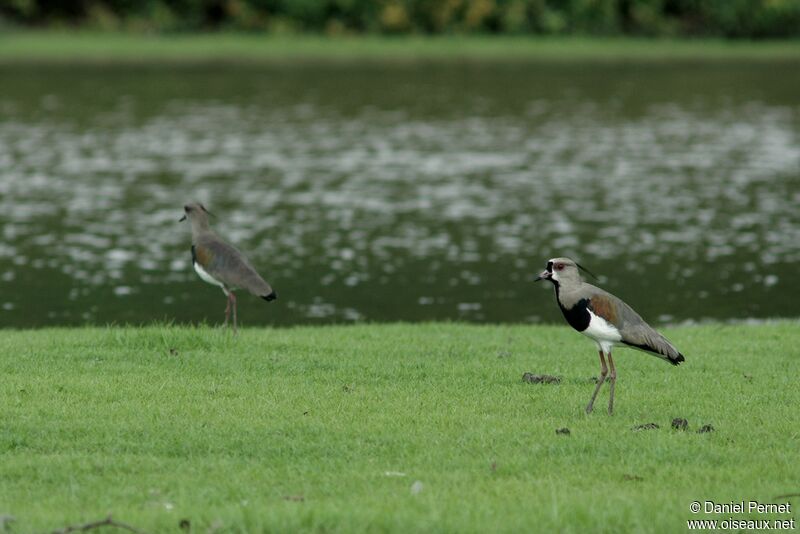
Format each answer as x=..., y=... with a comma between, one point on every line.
x=379, y=200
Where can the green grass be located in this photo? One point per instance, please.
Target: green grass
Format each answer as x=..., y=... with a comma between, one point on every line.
x=227, y=432
x=89, y=46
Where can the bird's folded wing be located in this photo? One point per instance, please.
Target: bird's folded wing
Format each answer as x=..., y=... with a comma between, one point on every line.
x=634, y=330
x=227, y=264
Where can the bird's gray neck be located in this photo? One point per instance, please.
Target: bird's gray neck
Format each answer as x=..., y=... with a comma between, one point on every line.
x=199, y=228
x=568, y=295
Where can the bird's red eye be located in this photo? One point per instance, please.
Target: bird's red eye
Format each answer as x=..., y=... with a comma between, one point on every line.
x=559, y=266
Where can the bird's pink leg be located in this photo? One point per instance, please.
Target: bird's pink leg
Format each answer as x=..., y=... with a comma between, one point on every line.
x=233, y=300
x=613, y=380
x=227, y=309
x=603, y=373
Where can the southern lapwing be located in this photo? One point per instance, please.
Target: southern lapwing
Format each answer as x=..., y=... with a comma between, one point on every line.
x=607, y=320
x=221, y=264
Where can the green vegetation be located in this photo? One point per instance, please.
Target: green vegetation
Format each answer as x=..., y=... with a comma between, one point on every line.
x=718, y=18
x=82, y=46
x=327, y=429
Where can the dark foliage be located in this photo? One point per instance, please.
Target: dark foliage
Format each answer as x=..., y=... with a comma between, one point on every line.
x=720, y=18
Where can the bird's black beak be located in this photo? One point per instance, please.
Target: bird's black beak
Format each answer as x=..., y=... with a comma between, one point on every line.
x=544, y=275
x=182, y=218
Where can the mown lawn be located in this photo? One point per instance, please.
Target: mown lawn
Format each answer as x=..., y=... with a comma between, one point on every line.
x=26, y=46
x=388, y=428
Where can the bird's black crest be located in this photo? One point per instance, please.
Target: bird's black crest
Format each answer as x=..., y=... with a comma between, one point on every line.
x=206, y=210
x=587, y=271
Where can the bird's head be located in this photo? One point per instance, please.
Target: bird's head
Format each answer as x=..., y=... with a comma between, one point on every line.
x=562, y=271
x=197, y=214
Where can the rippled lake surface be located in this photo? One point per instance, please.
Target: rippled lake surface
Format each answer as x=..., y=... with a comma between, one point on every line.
x=410, y=191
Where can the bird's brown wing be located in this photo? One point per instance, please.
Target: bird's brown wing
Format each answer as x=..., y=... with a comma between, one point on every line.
x=634, y=330
x=225, y=263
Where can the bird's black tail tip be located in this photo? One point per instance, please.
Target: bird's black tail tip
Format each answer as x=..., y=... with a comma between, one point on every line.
x=272, y=296
x=677, y=360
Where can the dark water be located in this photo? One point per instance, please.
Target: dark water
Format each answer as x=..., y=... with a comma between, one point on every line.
x=400, y=192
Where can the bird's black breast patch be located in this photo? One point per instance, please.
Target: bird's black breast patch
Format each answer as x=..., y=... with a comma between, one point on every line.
x=578, y=316
x=194, y=256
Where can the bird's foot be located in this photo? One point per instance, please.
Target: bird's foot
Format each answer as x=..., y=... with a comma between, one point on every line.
x=589, y=408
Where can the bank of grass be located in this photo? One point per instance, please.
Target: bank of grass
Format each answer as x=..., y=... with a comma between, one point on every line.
x=328, y=429
x=30, y=46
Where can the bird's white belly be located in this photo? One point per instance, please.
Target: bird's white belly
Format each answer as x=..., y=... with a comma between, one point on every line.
x=602, y=332
x=207, y=277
